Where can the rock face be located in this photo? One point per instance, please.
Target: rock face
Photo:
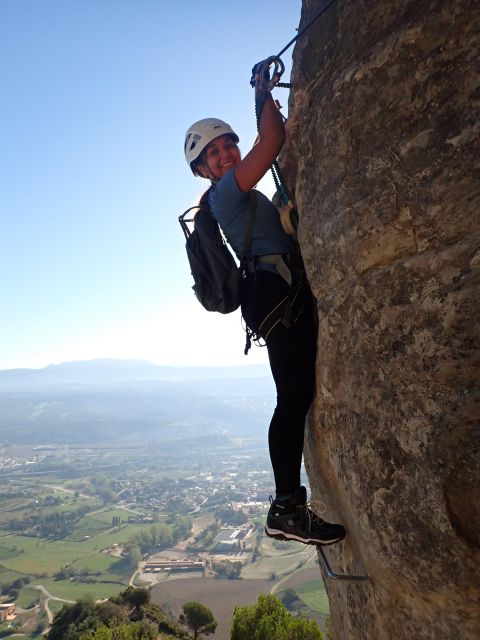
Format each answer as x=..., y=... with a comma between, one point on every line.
x=383, y=153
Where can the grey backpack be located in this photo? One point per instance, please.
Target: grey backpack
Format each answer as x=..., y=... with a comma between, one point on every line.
x=217, y=277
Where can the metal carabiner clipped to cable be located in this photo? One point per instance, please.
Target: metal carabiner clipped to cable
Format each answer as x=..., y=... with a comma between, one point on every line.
x=261, y=78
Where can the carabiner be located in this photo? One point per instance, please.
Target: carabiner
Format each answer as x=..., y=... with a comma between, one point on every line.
x=261, y=78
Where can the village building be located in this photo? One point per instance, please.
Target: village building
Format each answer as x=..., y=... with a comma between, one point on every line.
x=173, y=565
x=7, y=611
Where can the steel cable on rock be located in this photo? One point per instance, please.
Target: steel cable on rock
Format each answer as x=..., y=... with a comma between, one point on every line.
x=258, y=77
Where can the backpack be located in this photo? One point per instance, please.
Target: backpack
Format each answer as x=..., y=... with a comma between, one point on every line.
x=218, y=278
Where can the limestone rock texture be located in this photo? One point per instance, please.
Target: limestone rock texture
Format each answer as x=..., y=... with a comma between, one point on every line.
x=383, y=153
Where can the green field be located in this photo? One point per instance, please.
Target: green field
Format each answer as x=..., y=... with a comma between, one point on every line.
x=105, y=515
x=72, y=590
x=19, y=507
x=277, y=561
x=264, y=568
x=4, y=627
x=40, y=557
x=27, y=597
x=8, y=576
x=55, y=605
x=7, y=552
x=313, y=594
x=269, y=547
x=37, y=556
x=70, y=503
x=90, y=525
x=10, y=504
x=110, y=568
x=100, y=522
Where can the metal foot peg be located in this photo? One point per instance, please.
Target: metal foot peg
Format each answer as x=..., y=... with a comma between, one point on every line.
x=322, y=558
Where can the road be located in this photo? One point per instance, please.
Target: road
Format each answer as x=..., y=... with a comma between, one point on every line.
x=48, y=597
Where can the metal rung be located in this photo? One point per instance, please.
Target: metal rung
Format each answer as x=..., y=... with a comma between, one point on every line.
x=336, y=576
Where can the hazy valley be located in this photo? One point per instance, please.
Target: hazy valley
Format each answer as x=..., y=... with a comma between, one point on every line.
x=107, y=467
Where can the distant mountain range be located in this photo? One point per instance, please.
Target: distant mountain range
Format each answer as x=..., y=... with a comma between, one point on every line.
x=94, y=372
x=124, y=400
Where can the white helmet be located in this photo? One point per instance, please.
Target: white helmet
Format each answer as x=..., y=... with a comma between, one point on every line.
x=200, y=134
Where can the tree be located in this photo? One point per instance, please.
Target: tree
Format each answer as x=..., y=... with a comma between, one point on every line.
x=228, y=569
x=134, y=597
x=199, y=618
x=130, y=617
x=111, y=614
x=270, y=620
x=134, y=555
x=127, y=631
x=289, y=598
x=80, y=615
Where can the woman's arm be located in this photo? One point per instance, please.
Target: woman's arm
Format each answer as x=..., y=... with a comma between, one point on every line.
x=271, y=139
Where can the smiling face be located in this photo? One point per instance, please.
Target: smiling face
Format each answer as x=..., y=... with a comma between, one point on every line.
x=218, y=157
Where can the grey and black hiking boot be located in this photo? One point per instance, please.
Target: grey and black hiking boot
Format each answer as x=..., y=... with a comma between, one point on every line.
x=292, y=519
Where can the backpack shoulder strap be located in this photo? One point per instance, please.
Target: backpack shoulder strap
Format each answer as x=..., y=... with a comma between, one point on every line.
x=204, y=199
x=205, y=206
x=252, y=208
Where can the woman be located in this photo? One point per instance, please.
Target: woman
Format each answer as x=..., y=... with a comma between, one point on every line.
x=211, y=151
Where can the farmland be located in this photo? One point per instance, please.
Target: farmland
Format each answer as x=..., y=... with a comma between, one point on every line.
x=290, y=568
x=221, y=596
x=109, y=524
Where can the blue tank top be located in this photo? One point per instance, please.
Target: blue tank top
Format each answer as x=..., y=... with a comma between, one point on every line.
x=229, y=207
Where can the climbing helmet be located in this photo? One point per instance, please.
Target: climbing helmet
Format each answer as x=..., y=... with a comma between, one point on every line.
x=200, y=134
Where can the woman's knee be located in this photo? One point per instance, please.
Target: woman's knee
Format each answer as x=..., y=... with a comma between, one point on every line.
x=295, y=403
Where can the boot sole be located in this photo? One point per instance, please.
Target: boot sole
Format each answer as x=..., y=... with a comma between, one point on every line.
x=281, y=535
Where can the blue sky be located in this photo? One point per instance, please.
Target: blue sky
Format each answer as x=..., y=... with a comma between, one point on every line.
x=95, y=99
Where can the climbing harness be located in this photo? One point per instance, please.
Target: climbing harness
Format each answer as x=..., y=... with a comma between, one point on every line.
x=289, y=308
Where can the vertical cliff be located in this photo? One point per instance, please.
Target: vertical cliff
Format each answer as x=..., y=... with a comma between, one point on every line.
x=383, y=153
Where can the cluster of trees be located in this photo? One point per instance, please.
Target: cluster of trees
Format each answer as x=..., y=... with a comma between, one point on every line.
x=162, y=536
x=98, y=485
x=131, y=616
x=157, y=537
x=56, y=525
x=291, y=600
x=101, y=486
x=83, y=575
x=128, y=616
x=52, y=501
x=228, y=569
x=12, y=589
x=270, y=620
x=205, y=537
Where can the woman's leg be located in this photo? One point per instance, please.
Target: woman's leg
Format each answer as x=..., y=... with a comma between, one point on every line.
x=292, y=354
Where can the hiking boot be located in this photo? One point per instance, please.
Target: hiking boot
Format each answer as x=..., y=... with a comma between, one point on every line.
x=292, y=519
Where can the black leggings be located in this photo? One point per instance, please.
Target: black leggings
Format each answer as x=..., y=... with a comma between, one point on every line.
x=292, y=355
